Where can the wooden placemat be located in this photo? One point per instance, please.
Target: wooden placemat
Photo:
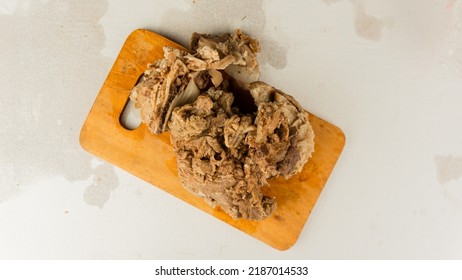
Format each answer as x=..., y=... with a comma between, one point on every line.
x=151, y=157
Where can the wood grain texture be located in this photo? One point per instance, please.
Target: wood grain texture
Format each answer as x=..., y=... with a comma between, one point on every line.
x=151, y=157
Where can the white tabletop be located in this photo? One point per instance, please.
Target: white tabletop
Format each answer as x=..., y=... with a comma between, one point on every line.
x=389, y=73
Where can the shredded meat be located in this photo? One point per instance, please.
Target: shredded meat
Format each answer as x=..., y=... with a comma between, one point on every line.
x=212, y=156
x=236, y=48
x=225, y=153
x=160, y=84
x=284, y=139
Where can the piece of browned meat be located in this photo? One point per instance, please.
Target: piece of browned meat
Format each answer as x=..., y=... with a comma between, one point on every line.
x=226, y=151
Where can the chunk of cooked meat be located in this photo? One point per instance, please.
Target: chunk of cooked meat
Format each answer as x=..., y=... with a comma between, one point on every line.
x=211, y=155
x=163, y=82
x=226, y=156
x=284, y=139
x=236, y=48
x=178, y=78
x=225, y=151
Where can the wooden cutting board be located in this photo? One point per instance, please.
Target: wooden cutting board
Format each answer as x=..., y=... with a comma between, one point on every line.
x=151, y=157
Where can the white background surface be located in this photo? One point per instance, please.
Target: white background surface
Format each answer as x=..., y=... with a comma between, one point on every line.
x=389, y=73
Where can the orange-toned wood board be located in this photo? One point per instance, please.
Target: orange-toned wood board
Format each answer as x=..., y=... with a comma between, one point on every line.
x=151, y=157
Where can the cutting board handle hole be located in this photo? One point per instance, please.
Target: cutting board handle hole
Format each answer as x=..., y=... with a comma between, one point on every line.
x=130, y=117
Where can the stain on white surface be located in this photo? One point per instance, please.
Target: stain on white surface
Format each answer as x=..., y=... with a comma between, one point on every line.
x=41, y=114
x=448, y=168
x=452, y=49
x=449, y=173
x=215, y=17
x=105, y=181
x=366, y=26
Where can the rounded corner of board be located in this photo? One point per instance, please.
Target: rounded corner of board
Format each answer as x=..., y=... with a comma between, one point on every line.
x=342, y=135
x=137, y=32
